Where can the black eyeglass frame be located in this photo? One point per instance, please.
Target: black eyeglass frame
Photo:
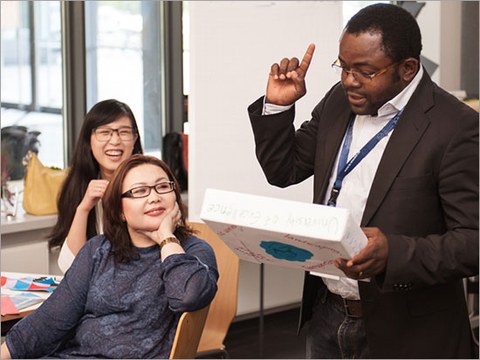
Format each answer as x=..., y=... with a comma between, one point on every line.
x=129, y=193
x=131, y=129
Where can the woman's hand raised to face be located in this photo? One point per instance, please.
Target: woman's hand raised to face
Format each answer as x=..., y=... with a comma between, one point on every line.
x=95, y=191
x=167, y=226
x=286, y=82
x=169, y=223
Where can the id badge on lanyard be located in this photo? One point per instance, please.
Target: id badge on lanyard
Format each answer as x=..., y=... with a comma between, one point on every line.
x=344, y=166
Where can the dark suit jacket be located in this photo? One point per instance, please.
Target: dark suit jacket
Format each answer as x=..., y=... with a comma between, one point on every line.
x=424, y=197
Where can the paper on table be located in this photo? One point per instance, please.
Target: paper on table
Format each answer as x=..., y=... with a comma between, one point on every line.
x=11, y=304
x=25, y=285
x=49, y=280
x=7, y=306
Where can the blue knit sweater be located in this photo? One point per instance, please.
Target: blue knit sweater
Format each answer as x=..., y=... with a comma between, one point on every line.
x=107, y=310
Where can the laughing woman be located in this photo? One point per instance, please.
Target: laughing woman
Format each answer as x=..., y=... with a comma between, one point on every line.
x=109, y=135
x=126, y=289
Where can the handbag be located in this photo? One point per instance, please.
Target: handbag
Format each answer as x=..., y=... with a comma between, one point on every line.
x=41, y=186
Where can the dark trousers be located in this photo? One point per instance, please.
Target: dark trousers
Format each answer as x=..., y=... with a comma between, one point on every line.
x=332, y=334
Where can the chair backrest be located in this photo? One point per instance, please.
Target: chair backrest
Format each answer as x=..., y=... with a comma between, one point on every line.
x=187, y=336
x=224, y=306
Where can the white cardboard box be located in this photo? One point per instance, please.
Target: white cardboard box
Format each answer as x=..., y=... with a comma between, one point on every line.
x=283, y=232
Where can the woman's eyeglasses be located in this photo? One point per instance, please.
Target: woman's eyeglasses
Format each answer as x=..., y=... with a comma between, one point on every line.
x=145, y=190
x=104, y=134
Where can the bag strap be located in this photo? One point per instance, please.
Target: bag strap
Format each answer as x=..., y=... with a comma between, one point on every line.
x=28, y=156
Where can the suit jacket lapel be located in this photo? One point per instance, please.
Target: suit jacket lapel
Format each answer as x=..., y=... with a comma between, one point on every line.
x=410, y=128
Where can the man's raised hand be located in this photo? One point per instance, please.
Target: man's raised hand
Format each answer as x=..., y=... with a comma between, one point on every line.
x=286, y=82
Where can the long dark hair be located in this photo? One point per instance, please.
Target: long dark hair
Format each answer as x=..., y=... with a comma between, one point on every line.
x=114, y=227
x=84, y=168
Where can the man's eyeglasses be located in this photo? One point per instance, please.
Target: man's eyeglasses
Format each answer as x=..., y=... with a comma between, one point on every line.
x=145, y=190
x=105, y=134
x=358, y=74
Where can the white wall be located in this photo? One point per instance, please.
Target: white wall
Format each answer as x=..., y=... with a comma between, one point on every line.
x=450, y=46
x=429, y=21
x=440, y=24
x=232, y=45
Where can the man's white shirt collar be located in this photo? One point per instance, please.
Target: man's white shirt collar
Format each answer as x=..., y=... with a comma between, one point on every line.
x=400, y=101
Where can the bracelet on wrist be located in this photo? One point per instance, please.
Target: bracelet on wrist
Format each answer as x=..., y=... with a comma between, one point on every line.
x=168, y=240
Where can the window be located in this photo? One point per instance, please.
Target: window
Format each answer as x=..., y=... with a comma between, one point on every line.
x=124, y=61
x=124, y=57
x=31, y=70
x=16, y=58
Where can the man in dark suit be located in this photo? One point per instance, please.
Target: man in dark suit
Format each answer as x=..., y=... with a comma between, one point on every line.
x=402, y=155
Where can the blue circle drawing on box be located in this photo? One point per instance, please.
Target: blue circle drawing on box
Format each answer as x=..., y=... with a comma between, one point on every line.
x=285, y=251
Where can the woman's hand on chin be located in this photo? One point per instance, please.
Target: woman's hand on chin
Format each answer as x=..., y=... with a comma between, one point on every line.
x=167, y=226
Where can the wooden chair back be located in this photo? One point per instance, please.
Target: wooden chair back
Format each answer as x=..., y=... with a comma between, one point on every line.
x=187, y=336
x=224, y=306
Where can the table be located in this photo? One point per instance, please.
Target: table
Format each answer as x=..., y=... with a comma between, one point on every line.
x=24, y=240
x=25, y=244
x=9, y=320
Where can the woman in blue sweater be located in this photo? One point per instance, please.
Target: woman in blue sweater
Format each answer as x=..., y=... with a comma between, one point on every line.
x=126, y=289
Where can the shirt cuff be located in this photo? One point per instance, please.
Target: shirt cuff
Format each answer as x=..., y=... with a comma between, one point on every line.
x=65, y=258
x=272, y=109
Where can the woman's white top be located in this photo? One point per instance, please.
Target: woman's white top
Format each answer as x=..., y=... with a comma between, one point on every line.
x=66, y=256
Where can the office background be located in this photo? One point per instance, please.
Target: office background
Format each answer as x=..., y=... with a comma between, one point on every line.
x=232, y=46
x=59, y=58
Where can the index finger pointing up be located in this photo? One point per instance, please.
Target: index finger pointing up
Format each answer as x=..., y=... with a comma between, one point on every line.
x=307, y=58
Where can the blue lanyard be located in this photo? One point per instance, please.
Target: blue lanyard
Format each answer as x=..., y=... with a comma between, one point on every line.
x=344, y=167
